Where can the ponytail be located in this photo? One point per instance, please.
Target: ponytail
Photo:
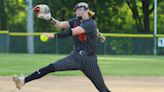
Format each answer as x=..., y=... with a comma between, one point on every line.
x=92, y=14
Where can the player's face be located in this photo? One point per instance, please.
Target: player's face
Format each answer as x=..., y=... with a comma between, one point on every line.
x=79, y=12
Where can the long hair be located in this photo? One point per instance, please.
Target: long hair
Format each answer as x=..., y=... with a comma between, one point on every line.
x=92, y=14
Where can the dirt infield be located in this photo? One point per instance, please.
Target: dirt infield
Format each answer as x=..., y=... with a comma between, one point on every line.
x=82, y=84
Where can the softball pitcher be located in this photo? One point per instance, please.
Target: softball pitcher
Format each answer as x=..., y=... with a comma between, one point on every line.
x=84, y=33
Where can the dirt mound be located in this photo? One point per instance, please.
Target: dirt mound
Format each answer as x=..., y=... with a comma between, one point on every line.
x=82, y=84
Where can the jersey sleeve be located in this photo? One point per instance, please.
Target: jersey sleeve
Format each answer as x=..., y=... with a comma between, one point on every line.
x=88, y=26
x=71, y=22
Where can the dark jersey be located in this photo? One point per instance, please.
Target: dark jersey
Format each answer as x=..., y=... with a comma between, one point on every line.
x=87, y=41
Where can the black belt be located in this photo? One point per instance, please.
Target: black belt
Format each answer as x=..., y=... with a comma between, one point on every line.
x=81, y=52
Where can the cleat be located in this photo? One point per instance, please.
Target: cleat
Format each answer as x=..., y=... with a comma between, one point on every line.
x=19, y=81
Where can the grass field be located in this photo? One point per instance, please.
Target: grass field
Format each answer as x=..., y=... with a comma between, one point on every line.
x=119, y=65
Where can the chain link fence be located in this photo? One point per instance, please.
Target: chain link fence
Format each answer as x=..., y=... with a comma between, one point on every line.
x=112, y=45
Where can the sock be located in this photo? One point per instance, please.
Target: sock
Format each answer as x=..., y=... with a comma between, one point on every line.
x=40, y=73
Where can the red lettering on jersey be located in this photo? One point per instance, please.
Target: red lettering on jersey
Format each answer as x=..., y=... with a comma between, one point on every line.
x=82, y=37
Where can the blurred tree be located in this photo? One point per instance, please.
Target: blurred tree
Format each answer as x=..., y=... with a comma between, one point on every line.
x=3, y=19
x=15, y=15
x=113, y=16
x=160, y=17
x=107, y=12
x=142, y=20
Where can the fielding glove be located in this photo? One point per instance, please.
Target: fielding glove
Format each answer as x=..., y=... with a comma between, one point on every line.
x=42, y=11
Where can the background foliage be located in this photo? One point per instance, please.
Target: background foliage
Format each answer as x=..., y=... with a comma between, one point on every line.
x=113, y=16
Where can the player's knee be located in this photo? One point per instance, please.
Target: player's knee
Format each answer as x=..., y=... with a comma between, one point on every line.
x=51, y=67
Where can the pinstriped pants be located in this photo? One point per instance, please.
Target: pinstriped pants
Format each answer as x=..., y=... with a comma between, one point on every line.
x=87, y=64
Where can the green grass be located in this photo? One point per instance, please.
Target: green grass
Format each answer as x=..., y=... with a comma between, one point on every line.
x=119, y=65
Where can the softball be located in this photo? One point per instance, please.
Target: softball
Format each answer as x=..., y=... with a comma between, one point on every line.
x=43, y=38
